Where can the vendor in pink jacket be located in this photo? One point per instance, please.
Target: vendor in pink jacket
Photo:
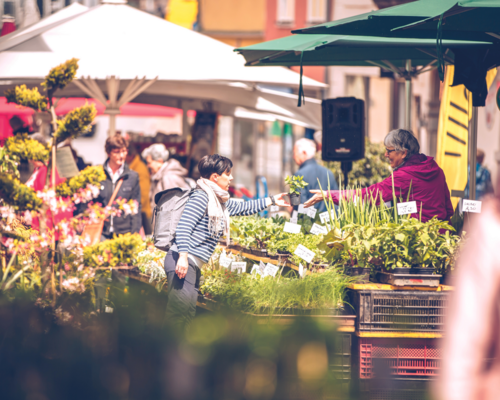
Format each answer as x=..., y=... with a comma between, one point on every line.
x=411, y=170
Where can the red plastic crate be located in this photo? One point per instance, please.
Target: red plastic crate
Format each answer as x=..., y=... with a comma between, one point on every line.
x=401, y=357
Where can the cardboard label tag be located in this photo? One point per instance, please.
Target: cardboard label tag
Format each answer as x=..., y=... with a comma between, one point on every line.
x=239, y=267
x=271, y=270
x=318, y=230
x=302, y=209
x=409, y=207
x=225, y=262
x=472, y=206
x=304, y=253
x=291, y=227
x=311, y=212
x=274, y=209
x=325, y=217
x=302, y=271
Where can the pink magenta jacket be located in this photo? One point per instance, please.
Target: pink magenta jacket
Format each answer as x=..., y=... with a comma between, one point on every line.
x=428, y=188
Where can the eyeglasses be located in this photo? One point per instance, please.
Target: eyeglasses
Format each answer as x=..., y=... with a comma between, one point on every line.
x=389, y=151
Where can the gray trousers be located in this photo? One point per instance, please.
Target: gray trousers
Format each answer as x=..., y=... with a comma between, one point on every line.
x=182, y=293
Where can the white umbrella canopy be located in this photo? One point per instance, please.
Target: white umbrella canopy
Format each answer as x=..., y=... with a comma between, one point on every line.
x=118, y=40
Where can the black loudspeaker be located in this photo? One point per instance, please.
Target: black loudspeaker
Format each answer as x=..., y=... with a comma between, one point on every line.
x=343, y=129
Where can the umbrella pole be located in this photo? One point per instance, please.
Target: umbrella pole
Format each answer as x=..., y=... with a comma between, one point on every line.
x=408, y=95
x=472, y=142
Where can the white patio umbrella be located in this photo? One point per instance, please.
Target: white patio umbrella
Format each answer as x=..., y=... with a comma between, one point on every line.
x=116, y=44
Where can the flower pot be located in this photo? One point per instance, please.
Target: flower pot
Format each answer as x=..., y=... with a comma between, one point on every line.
x=359, y=271
x=422, y=270
x=294, y=199
x=399, y=271
x=259, y=252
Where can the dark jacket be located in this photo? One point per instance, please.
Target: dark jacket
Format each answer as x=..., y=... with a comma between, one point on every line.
x=312, y=171
x=130, y=190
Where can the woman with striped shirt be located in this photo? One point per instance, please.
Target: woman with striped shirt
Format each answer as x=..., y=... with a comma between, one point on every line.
x=205, y=219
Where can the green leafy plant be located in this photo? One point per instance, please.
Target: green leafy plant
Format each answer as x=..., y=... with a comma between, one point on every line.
x=27, y=97
x=59, y=77
x=296, y=183
x=21, y=147
x=121, y=250
x=17, y=195
x=92, y=175
x=75, y=123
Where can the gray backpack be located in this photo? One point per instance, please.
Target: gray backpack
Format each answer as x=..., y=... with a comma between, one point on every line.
x=169, y=207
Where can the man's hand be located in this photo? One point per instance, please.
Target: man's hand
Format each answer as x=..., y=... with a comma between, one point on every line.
x=318, y=196
x=182, y=266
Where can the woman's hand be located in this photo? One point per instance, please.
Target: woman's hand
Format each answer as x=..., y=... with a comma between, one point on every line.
x=318, y=196
x=280, y=200
x=182, y=266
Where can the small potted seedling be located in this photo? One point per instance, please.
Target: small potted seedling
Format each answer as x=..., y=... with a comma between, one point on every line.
x=296, y=183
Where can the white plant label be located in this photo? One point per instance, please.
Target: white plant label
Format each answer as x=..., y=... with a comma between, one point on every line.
x=302, y=209
x=225, y=262
x=311, y=212
x=304, y=253
x=409, y=207
x=472, y=206
x=271, y=270
x=295, y=214
x=318, y=230
x=239, y=267
x=274, y=209
x=223, y=253
x=291, y=228
x=302, y=271
x=388, y=204
x=325, y=217
x=293, y=220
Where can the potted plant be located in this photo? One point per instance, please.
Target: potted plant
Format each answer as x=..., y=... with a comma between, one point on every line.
x=296, y=183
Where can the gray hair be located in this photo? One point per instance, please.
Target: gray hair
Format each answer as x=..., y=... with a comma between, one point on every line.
x=402, y=140
x=156, y=151
x=308, y=146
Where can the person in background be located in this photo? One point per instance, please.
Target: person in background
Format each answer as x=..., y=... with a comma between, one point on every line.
x=303, y=154
x=483, y=178
x=136, y=164
x=17, y=125
x=116, y=169
x=205, y=219
x=165, y=173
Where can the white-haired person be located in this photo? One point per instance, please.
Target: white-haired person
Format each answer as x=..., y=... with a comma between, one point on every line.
x=165, y=173
x=303, y=154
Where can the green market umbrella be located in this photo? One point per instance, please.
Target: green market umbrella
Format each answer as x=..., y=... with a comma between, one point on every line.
x=405, y=57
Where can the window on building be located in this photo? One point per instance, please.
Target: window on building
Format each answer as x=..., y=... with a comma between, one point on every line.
x=286, y=11
x=316, y=11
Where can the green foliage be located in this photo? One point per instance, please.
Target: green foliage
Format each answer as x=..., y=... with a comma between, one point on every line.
x=269, y=295
x=18, y=195
x=92, y=175
x=21, y=147
x=8, y=165
x=121, y=250
x=75, y=123
x=291, y=241
x=256, y=232
x=296, y=183
x=27, y=97
x=60, y=76
x=367, y=171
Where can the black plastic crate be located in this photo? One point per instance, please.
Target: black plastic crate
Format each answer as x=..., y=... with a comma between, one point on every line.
x=415, y=311
x=341, y=364
x=393, y=389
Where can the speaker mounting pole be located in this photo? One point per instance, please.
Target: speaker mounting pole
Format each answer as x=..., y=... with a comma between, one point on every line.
x=346, y=167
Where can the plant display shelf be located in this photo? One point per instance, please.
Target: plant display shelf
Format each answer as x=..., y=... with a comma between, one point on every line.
x=265, y=260
x=387, y=287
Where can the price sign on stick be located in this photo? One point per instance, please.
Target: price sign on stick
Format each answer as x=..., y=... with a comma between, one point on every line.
x=274, y=209
x=302, y=209
x=271, y=270
x=325, y=217
x=239, y=267
x=225, y=262
x=409, y=207
x=302, y=271
x=318, y=230
x=311, y=212
x=472, y=206
x=295, y=214
x=291, y=228
x=304, y=253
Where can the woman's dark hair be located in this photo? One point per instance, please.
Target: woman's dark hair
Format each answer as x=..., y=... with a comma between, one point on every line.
x=115, y=142
x=214, y=164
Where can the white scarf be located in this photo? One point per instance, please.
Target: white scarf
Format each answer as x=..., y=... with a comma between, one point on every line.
x=218, y=216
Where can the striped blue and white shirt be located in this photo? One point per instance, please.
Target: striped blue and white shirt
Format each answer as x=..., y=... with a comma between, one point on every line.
x=192, y=235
